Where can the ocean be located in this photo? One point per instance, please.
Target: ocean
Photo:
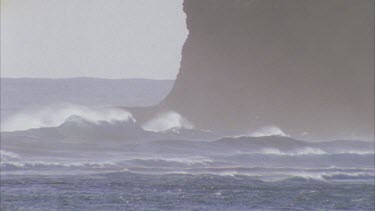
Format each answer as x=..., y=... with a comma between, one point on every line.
x=131, y=191
x=81, y=165
x=75, y=157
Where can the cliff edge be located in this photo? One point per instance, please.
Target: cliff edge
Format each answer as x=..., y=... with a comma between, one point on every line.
x=304, y=66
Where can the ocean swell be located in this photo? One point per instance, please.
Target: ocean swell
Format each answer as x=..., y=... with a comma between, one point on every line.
x=55, y=115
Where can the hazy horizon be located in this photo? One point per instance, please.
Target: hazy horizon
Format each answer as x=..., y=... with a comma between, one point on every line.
x=86, y=77
x=271, y=108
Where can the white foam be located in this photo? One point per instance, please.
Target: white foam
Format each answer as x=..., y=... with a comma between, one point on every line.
x=366, y=152
x=6, y=156
x=183, y=160
x=166, y=121
x=302, y=151
x=55, y=115
x=59, y=164
x=269, y=131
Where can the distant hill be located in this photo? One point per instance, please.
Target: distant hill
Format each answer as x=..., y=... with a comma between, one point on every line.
x=21, y=93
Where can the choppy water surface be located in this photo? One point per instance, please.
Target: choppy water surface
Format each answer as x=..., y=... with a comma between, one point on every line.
x=119, y=165
x=119, y=191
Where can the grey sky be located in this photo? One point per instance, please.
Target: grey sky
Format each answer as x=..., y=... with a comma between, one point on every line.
x=92, y=38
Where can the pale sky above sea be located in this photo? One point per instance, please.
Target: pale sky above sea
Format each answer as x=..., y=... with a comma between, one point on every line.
x=92, y=38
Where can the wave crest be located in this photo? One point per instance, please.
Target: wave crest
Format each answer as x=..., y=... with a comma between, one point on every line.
x=269, y=131
x=53, y=116
x=7, y=156
x=166, y=121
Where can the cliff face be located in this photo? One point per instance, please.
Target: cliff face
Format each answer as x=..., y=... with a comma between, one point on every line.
x=305, y=66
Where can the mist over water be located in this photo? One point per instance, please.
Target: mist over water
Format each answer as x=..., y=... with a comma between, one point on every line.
x=105, y=139
x=272, y=108
x=55, y=115
x=105, y=154
x=166, y=121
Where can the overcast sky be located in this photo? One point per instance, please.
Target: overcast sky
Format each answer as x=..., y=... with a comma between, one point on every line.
x=92, y=38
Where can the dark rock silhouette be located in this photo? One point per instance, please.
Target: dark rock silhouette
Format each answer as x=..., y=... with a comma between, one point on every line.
x=305, y=66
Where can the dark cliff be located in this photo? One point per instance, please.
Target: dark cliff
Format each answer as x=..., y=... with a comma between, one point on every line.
x=306, y=66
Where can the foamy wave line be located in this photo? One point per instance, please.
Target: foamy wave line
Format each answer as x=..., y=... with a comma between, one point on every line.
x=355, y=152
x=266, y=176
x=304, y=151
x=271, y=130
x=42, y=164
x=166, y=121
x=55, y=115
x=57, y=164
x=185, y=161
x=8, y=154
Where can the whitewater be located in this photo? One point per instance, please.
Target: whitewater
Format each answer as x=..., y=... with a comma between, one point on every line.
x=74, y=157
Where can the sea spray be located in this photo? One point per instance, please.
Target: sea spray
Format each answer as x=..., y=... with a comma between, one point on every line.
x=166, y=121
x=55, y=115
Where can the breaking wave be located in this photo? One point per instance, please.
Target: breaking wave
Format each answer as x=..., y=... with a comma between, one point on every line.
x=55, y=115
x=268, y=131
x=163, y=166
x=166, y=121
x=80, y=143
x=8, y=156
